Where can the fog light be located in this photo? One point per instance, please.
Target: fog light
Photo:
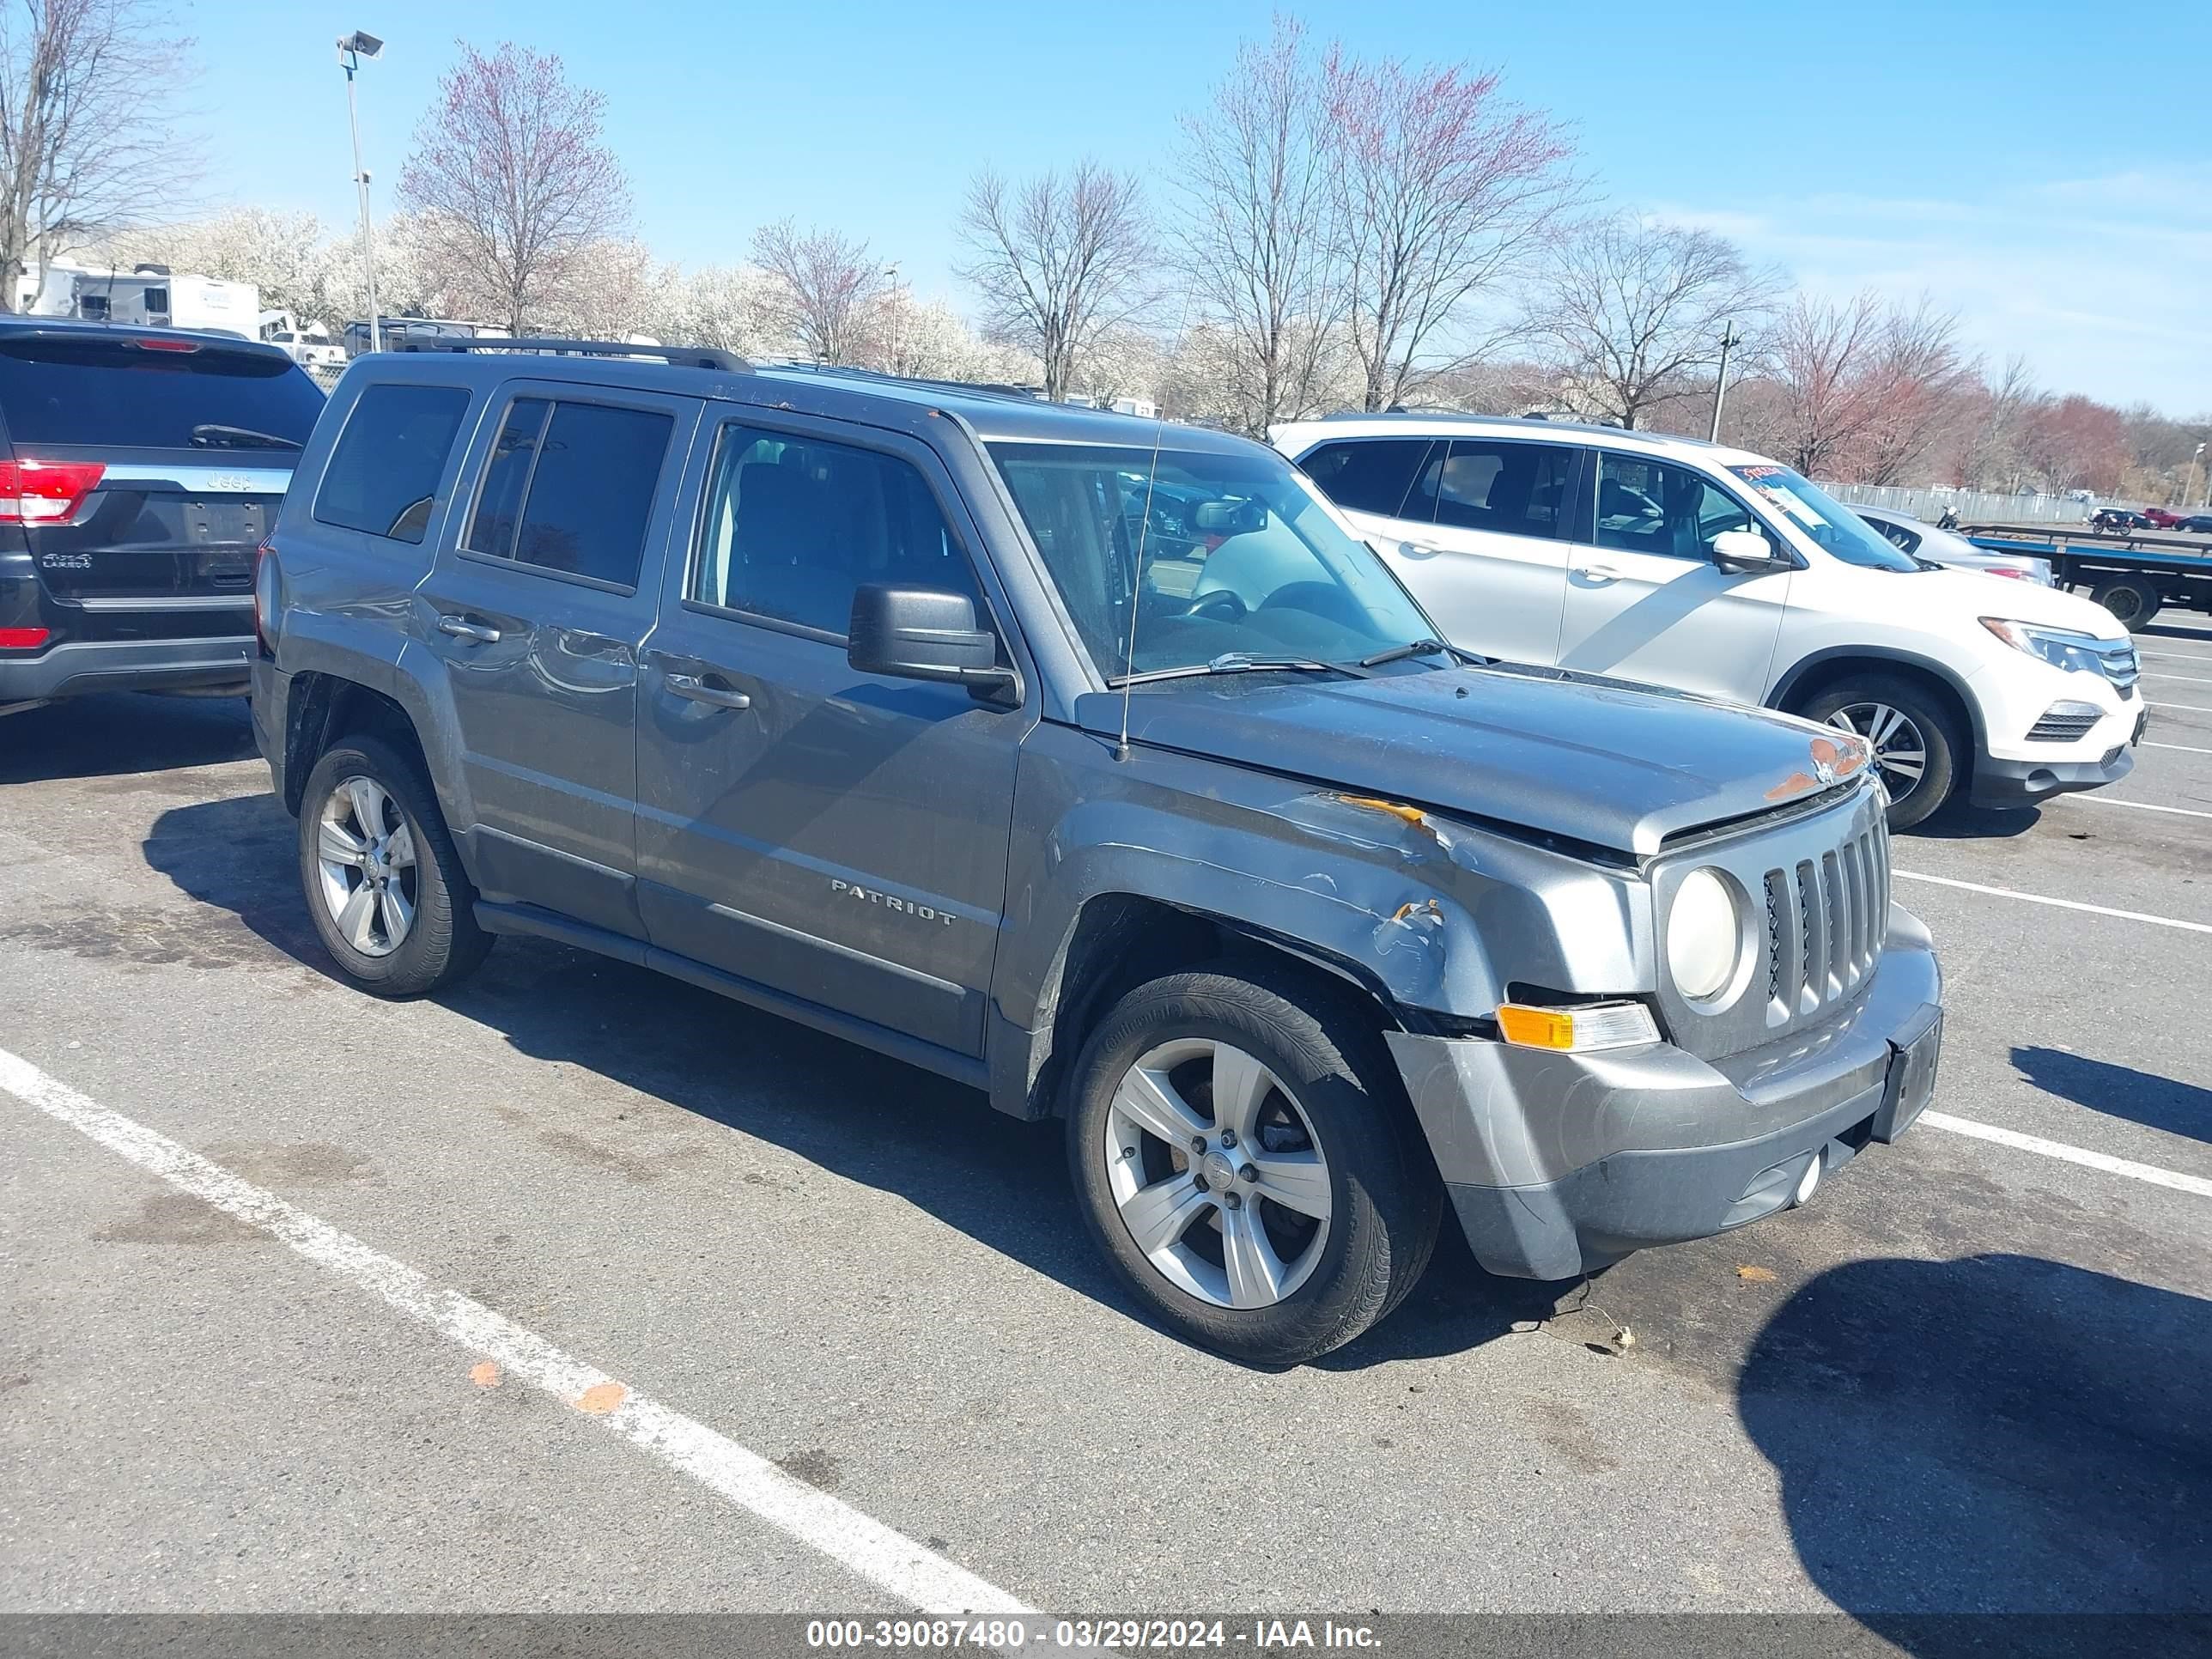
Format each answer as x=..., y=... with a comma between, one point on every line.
x=1808, y=1181
x=1594, y=1025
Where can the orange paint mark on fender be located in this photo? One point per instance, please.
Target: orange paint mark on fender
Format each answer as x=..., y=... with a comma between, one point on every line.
x=1396, y=809
x=601, y=1398
x=484, y=1374
x=1795, y=784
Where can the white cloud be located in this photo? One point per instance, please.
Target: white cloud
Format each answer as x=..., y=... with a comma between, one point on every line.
x=2101, y=284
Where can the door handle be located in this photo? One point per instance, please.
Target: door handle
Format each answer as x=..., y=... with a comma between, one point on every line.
x=1603, y=572
x=697, y=689
x=462, y=629
x=1419, y=549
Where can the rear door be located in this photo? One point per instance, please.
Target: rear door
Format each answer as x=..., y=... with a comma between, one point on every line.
x=539, y=604
x=1492, y=569
x=146, y=468
x=1644, y=599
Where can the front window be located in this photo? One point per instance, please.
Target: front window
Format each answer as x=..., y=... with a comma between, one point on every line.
x=1209, y=555
x=1835, y=527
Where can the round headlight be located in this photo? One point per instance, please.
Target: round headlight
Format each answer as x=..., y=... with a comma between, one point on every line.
x=1702, y=936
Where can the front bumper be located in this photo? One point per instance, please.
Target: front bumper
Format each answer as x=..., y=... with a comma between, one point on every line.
x=77, y=667
x=1559, y=1163
x=2002, y=782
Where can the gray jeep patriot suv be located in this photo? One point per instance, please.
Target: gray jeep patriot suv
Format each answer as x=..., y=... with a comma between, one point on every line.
x=1095, y=762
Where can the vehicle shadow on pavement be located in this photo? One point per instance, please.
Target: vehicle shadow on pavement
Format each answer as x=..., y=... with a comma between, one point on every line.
x=121, y=734
x=1991, y=1434
x=2145, y=1097
x=1956, y=821
x=853, y=1112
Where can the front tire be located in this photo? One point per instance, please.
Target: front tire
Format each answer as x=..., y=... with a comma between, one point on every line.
x=1917, y=747
x=1244, y=1157
x=382, y=881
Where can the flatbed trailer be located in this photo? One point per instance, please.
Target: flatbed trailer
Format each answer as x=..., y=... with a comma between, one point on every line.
x=2132, y=576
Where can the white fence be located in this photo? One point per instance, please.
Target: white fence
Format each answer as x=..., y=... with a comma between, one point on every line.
x=1972, y=506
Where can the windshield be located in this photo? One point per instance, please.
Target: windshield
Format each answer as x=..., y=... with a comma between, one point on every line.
x=1827, y=521
x=1238, y=557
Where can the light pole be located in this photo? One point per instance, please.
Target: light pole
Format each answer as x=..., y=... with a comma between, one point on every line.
x=1729, y=341
x=897, y=333
x=2189, y=482
x=352, y=48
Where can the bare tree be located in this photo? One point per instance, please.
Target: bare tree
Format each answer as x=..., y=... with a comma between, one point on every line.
x=826, y=283
x=1058, y=260
x=1442, y=190
x=1631, y=313
x=87, y=99
x=513, y=179
x=1919, y=377
x=1257, y=245
x=1993, y=426
x=1820, y=350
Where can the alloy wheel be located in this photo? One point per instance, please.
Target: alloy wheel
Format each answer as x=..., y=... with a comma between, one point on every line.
x=1216, y=1175
x=1900, y=749
x=365, y=864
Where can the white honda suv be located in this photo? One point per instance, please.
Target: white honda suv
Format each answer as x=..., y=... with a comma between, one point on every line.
x=1685, y=564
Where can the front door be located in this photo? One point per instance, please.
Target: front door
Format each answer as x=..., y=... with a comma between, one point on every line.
x=539, y=602
x=1644, y=599
x=834, y=835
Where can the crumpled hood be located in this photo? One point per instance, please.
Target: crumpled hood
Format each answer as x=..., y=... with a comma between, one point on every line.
x=1597, y=761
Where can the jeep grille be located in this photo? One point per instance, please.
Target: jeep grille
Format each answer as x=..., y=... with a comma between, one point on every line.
x=1817, y=887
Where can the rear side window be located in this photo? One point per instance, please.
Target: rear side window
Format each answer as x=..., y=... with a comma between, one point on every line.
x=115, y=393
x=1516, y=489
x=383, y=476
x=1374, y=475
x=569, y=488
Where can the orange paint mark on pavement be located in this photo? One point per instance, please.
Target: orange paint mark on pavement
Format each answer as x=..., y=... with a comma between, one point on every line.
x=601, y=1398
x=484, y=1374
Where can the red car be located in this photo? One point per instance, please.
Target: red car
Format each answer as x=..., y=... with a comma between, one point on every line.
x=2160, y=518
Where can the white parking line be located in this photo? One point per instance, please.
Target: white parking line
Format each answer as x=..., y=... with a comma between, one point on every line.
x=2185, y=749
x=917, y=1575
x=2060, y=903
x=2174, y=656
x=2140, y=805
x=2081, y=1155
x=2186, y=679
x=2185, y=707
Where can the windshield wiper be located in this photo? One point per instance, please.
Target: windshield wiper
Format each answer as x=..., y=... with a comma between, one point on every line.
x=1240, y=662
x=213, y=435
x=1418, y=648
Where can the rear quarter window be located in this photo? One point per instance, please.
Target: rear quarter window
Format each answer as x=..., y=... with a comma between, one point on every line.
x=101, y=393
x=383, y=476
x=1372, y=474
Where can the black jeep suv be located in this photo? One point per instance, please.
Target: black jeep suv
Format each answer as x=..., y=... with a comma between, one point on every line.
x=139, y=468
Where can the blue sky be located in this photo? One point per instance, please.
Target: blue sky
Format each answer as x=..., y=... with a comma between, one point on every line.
x=2049, y=180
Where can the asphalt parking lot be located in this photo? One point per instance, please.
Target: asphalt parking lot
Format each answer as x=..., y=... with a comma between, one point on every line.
x=1971, y=1376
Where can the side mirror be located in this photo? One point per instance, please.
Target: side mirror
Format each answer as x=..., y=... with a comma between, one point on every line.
x=1748, y=553
x=922, y=634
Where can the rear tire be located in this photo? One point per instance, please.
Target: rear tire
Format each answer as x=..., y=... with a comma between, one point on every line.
x=1234, y=1256
x=383, y=881
x=1908, y=727
x=2133, y=600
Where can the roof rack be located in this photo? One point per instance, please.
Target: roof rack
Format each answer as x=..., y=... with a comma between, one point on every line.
x=678, y=356
x=969, y=388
